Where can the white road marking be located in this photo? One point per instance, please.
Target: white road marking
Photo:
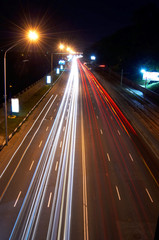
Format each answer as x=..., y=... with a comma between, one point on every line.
x=149, y=195
x=108, y=157
x=47, y=129
x=118, y=193
x=40, y=143
x=17, y=199
x=31, y=165
x=118, y=132
x=131, y=157
x=60, y=144
x=56, y=166
x=101, y=131
x=48, y=205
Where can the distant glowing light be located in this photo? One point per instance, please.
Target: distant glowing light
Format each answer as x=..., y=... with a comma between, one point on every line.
x=61, y=67
x=32, y=35
x=61, y=46
x=143, y=70
x=102, y=66
x=68, y=49
x=93, y=57
x=15, y=105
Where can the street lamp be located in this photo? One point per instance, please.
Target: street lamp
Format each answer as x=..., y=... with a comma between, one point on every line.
x=33, y=36
x=61, y=47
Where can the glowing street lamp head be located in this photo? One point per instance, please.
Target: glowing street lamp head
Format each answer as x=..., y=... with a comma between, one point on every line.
x=33, y=35
x=61, y=46
x=68, y=49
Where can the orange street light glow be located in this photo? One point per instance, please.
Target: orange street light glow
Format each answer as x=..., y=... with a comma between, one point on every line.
x=62, y=46
x=32, y=35
x=68, y=49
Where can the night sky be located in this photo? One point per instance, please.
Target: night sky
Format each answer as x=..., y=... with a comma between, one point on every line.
x=80, y=22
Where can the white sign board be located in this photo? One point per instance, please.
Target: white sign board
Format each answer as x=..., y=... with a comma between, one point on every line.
x=48, y=79
x=57, y=71
x=15, y=105
x=151, y=76
x=62, y=62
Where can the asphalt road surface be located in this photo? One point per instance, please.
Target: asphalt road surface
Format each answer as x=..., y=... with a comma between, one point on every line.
x=78, y=173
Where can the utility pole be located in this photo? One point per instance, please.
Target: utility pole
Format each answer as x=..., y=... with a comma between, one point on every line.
x=52, y=67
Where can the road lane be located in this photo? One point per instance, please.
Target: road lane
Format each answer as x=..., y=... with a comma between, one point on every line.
x=30, y=161
x=31, y=210
x=124, y=214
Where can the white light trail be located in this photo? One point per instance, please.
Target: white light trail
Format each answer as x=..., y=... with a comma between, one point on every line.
x=34, y=199
x=66, y=168
x=26, y=136
x=26, y=148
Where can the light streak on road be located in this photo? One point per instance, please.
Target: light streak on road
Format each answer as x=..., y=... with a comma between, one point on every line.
x=66, y=167
x=26, y=224
x=85, y=209
x=93, y=124
x=15, y=170
x=109, y=110
x=26, y=136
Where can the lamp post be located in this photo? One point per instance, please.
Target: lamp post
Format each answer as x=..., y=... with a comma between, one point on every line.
x=33, y=36
x=61, y=47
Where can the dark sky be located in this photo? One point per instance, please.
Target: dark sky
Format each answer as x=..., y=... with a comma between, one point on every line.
x=82, y=22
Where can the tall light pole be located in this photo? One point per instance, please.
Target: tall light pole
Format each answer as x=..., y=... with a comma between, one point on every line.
x=33, y=36
x=51, y=66
x=61, y=47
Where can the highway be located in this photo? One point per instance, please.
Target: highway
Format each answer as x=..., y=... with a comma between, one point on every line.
x=78, y=173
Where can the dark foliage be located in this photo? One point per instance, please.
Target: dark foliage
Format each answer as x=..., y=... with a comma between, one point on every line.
x=134, y=46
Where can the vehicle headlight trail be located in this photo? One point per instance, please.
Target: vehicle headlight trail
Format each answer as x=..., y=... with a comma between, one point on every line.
x=26, y=224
